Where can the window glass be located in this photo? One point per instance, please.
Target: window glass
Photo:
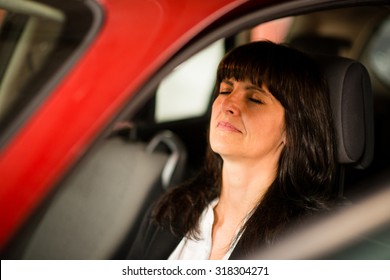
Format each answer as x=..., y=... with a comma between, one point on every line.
x=38, y=41
x=379, y=52
x=275, y=30
x=186, y=92
x=28, y=33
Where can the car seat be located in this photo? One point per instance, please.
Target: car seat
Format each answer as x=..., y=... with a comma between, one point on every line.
x=95, y=211
x=352, y=107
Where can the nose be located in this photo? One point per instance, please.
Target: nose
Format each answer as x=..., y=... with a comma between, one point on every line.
x=231, y=105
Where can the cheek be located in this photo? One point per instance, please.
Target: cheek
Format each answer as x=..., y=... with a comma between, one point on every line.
x=217, y=103
x=213, y=117
x=215, y=109
x=268, y=125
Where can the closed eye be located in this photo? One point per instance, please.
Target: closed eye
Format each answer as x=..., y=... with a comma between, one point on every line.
x=257, y=101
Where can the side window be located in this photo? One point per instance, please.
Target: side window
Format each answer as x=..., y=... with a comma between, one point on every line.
x=28, y=33
x=275, y=30
x=379, y=53
x=186, y=92
x=38, y=41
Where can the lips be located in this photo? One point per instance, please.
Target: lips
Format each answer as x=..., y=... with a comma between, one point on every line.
x=227, y=126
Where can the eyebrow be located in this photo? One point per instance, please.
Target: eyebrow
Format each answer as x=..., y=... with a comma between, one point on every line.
x=228, y=82
x=250, y=87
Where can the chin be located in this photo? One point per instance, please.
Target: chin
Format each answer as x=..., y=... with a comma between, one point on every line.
x=223, y=149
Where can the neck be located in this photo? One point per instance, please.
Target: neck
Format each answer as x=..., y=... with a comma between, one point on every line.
x=243, y=186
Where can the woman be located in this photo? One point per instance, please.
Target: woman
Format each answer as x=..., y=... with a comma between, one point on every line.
x=271, y=161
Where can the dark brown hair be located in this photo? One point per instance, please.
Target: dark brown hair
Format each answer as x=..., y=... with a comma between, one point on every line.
x=307, y=166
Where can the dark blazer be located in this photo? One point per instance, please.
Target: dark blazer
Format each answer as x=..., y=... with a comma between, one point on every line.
x=155, y=243
x=152, y=242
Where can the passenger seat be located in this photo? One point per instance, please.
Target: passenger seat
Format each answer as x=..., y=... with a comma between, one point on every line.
x=94, y=213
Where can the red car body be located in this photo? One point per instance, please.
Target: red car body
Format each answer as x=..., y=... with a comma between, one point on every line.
x=134, y=40
x=131, y=42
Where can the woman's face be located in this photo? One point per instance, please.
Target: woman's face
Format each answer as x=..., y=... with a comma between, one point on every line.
x=247, y=122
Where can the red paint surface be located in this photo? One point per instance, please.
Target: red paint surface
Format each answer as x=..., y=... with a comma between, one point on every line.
x=137, y=37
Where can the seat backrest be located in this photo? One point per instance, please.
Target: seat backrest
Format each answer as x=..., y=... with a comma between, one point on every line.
x=97, y=208
x=352, y=107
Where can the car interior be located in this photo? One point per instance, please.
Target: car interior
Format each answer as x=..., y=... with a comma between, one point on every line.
x=95, y=212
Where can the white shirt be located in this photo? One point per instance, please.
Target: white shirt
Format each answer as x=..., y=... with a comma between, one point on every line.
x=189, y=249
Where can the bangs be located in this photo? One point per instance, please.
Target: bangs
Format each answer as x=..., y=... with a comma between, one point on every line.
x=260, y=63
x=243, y=67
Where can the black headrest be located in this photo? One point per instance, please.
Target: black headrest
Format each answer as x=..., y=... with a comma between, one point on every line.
x=352, y=106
